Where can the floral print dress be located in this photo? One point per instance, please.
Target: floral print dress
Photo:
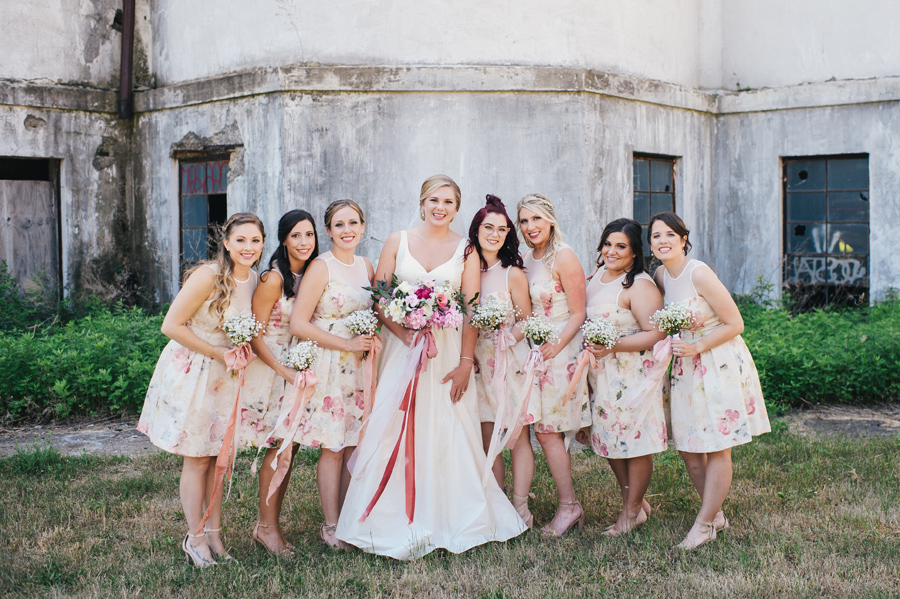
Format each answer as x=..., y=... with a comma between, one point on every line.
x=717, y=400
x=495, y=282
x=549, y=300
x=620, y=431
x=263, y=388
x=190, y=396
x=334, y=413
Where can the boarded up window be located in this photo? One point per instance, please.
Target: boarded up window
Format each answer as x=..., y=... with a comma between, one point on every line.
x=29, y=221
x=826, y=230
x=204, y=207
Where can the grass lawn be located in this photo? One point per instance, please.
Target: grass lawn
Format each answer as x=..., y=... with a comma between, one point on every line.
x=810, y=518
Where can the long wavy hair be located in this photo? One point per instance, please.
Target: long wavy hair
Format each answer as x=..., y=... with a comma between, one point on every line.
x=674, y=222
x=509, y=251
x=279, y=260
x=223, y=281
x=632, y=229
x=541, y=204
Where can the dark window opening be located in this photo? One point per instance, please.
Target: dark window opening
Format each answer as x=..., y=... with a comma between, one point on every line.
x=654, y=192
x=25, y=169
x=204, y=208
x=826, y=231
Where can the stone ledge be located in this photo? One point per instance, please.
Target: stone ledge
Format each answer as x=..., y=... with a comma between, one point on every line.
x=58, y=97
x=810, y=95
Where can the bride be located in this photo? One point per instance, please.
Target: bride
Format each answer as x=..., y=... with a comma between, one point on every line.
x=409, y=505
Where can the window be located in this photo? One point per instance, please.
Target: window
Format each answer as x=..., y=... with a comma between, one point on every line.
x=203, y=207
x=654, y=191
x=826, y=230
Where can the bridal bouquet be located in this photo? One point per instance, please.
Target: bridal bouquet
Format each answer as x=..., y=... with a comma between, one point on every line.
x=673, y=319
x=361, y=322
x=537, y=330
x=422, y=305
x=302, y=356
x=600, y=331
x=241, y=328
x=491, y=313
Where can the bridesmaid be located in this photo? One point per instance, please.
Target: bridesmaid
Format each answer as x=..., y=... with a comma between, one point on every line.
x=557, y=287
x=493, y=237
x=191, y=395
x=717, y=400
x=627, y=435
x=333, y=288
x=272, y=303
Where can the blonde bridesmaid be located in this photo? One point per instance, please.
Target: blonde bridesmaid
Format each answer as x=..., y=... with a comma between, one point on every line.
x=557, y=287
x=627, y=429
x=332, y=289
x=191, y=395
x=716, y=400
x=267, y=378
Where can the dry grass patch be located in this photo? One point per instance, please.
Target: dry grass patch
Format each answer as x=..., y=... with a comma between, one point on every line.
x=810, y=518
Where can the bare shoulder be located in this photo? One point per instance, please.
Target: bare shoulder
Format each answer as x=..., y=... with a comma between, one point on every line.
x=517, y=275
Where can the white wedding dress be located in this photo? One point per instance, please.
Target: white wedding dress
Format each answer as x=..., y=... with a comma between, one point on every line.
x=453, y=509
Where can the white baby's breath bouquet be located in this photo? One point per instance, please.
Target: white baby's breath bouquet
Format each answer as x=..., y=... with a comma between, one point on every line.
x=537, y=330
x=491, y=313
x=302, y=356
x=600, y=331
x=673, y=319
x=241, y=328
x=361, y=322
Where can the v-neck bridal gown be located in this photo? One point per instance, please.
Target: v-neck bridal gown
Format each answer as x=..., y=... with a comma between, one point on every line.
x=453, y=509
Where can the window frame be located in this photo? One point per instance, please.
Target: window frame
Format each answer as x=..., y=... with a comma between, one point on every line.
x=222, y=191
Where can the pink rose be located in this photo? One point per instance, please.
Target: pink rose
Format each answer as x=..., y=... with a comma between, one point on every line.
x=441, y=299
x=424, y=293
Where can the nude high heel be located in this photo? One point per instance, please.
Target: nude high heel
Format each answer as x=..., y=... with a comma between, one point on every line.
x=288, y=550
x=223, y=556
x=550, y=532
x=522, y=508
x=192, y=555
x=709, y=535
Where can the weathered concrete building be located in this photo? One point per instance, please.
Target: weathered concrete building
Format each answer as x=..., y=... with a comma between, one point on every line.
x=772, y=127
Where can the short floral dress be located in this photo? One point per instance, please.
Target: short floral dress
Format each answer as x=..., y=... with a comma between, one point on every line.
x=619, y=431
x=190, y=397
x=495, y=282
x=717, y=400
x=263, y=391
x=549, y=300
x=334, y=413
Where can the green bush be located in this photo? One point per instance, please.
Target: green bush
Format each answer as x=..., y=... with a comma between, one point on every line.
x=96, y=364
x=849, y=355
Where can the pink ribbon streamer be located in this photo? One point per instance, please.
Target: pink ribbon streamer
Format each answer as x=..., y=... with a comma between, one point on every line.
x=237, y=358
x=584, y=358
x=534, y=365
x=509, y=418
x=662, y=353
x=369, y=385
x=408, y=407
x=304, y=387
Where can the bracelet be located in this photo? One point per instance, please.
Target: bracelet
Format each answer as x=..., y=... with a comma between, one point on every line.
x=466, y=358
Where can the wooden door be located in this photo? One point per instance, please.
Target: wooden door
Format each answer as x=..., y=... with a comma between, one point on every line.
x=29, y=233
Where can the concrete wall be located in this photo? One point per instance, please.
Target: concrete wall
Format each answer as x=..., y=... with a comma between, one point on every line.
x=773, y=43
x=749, y=225
x=94, y=156
x=653, y=39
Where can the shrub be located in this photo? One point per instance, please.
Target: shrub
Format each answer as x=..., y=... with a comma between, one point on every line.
x=96, y=364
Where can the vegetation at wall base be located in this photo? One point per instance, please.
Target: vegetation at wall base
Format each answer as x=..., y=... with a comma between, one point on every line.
x=87, y=356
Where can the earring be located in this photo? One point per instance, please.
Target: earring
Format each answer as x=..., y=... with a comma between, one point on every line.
x=422, y=213
x=284, y=249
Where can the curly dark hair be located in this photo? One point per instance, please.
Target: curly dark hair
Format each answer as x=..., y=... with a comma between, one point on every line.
x=632, y=229
x=509, y=251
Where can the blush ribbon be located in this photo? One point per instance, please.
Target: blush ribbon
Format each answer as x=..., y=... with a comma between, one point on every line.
x=510, y=418
x=369, y=385
x=237, y=358
x=291, y=416
x=408, y=406
x=662, y=353
x=584, y=358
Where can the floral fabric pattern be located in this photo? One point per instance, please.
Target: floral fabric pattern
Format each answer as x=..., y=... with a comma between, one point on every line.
x=618, y=431
x=717, y=400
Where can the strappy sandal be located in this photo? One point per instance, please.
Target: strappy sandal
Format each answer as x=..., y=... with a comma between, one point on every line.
x=192, y=555
x=551, y=532
x=225, y=557
x=632, y=525
x=709, y=535
x=327, y=534
x=522, y=508
x=725, y=525
x=287, y=551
